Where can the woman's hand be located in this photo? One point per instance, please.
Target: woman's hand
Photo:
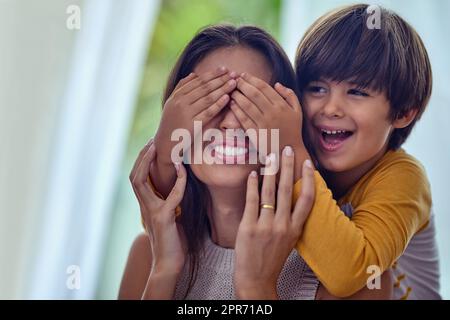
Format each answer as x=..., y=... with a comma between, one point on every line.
x=267, y=236
x=165, y=234
x=259, y=106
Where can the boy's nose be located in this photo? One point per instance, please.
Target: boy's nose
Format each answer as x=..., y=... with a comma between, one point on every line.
x=332, y=108
x=229, y=120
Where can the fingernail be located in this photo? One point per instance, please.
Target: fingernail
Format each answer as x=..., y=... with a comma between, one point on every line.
x=288, y=151
x=270, y=158
x=222, y=68
x=253, y=174
x=233, y=74
x=243, y=74
x=232, y=82
x=308, y=163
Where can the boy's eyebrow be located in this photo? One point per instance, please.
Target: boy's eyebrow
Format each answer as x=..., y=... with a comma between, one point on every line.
x=317, y=80
x=358, y=85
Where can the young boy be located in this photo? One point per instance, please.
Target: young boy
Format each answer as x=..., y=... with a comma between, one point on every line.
x=362, y=91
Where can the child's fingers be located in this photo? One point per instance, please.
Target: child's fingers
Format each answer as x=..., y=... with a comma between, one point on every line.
x=204, y=95
x=289, y=95
x=211, y=98
x=246, y=124
x=284, y=193
x=271, y=95
x=254, y=93
x=201, y=80
x=267, y=212
x=245, y=121
x=306, y=200
x=185, y=80
x=247, y=106
x=210, y=112
x=251, y=199
x=177, y=192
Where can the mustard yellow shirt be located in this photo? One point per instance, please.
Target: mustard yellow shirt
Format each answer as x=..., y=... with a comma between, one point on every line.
x=391, y=203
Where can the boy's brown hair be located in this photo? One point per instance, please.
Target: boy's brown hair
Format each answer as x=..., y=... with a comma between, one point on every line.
x=392, y=59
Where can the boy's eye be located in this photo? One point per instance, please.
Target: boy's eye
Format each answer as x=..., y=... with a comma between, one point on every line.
x=357, y=92
x=316, y=89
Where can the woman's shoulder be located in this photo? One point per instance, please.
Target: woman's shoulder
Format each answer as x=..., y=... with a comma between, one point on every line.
x=137, y=268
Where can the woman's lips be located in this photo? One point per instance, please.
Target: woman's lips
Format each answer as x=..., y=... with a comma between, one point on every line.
x=227, y=153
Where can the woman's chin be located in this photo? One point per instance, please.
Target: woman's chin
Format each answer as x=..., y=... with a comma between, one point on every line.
x=224, y=175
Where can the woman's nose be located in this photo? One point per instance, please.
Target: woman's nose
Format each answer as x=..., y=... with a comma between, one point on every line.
x=229, y=120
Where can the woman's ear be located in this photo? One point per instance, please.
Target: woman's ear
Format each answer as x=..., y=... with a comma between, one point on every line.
x=405, y=120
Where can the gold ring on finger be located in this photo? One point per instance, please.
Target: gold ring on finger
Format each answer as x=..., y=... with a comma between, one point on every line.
x=267, y=206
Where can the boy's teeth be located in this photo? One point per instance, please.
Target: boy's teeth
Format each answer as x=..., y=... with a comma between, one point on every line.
x=333, y=131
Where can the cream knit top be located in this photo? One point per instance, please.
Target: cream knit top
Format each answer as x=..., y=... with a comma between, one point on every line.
x=215, y=277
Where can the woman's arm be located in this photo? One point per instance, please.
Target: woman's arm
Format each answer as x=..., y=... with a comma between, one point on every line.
x=157, y=257
x=137, y=269
x=138, y=282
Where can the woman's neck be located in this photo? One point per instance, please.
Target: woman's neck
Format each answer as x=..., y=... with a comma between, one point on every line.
x=227, y=209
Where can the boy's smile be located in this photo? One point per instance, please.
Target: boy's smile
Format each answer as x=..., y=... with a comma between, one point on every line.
x=349, y=127
x=331, y=137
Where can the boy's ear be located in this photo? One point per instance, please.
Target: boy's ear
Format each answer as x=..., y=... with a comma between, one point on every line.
x=405, y=120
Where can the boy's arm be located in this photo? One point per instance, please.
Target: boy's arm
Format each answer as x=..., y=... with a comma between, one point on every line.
x=384, y=292
x=339, y=250
x=163, y=176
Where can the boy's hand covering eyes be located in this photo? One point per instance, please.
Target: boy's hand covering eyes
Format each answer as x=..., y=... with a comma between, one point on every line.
x=257, y=105
x=195, y=98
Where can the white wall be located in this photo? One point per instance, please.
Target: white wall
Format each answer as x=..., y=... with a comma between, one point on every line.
x=67, y=97
x=34, y=59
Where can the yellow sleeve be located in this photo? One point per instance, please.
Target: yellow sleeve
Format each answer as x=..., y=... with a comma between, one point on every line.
x=392, y=209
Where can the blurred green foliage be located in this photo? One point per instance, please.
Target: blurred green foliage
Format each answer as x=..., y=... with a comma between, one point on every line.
x=177, y=23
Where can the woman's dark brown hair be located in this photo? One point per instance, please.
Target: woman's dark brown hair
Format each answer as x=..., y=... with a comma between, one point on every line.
x=340, y=46
x=196, y=201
